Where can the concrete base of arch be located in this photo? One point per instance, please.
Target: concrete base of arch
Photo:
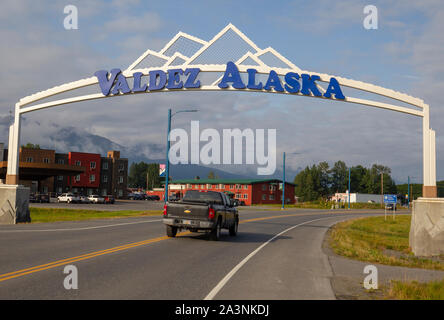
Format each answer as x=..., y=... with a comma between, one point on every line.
x=427, y=227
x=14, y=204
x=12, y=179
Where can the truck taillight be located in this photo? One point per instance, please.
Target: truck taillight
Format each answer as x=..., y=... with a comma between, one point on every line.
x=165, y=210
x=211, y=213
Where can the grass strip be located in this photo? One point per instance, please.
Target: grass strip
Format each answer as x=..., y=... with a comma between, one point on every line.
x=39, y=215
x=413, y=290
x=378, y=240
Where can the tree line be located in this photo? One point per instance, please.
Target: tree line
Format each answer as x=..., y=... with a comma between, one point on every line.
x=320, y=181
x=144, y=175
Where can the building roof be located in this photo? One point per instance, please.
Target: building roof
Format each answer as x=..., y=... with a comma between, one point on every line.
x=225, y=181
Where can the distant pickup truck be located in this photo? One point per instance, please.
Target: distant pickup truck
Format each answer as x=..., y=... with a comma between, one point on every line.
x=207, y=211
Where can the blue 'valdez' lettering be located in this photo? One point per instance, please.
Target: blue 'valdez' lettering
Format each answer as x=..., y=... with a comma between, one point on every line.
x=115, y=82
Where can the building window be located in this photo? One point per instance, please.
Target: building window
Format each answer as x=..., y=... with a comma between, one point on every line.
x=231, y=186
x=264, y=187
x=77, y=177
x=78, y=163
x=45, y=160
x=120, y=192
x=92, y=164
x=105, y=178
x=121, y=167
x=271, y=196
x=92, y=178
x=221, y=186
x=59, y=190
x=202, y=186
x=29, y=159
x=60, y=178
x=245, y=195
x=105, y=165
x=103, y=192
x=61, y=161
x=208, y=186
x=246, y=186
x=264, y=197
x=120, y=179
x=238, y=186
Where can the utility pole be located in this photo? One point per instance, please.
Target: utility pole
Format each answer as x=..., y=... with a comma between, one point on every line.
x=382, y=189
x=349, y=178
x=408, y=192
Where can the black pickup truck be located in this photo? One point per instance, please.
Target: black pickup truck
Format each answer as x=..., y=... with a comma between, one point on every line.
x=207, y=211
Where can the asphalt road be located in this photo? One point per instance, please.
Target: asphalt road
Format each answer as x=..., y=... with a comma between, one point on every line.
x=276, y=255
x=117, y=206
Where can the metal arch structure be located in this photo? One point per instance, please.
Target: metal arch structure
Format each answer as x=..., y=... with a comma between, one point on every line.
x=210, y=57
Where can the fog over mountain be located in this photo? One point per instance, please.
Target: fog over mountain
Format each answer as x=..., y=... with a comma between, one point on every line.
x=65, y=139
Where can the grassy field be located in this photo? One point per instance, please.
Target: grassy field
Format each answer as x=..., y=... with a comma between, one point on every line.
x=376, y=240
x=320, y=204
x=413, y=290
x=52, y=215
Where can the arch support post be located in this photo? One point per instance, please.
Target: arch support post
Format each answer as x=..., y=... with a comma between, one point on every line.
x=12, y=174
x=429, y=189
x=14, y=198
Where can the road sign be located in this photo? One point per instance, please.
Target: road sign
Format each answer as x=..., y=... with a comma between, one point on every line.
x=390, y=198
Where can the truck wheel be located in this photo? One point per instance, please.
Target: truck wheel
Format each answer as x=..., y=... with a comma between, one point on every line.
x=171, y=231
x=233, y=228
x=215, y=233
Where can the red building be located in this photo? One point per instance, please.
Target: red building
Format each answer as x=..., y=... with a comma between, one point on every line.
x=251, y=191
x=89, y=181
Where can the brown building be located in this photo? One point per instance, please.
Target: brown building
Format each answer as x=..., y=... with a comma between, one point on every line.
x=114, y=175
x=37, y=169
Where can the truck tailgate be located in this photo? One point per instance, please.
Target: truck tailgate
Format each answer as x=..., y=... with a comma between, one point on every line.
x=187, y=210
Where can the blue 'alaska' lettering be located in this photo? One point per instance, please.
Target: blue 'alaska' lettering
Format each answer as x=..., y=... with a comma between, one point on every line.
x=231, y=75
x=309, y=84
x=334, y=88
x=116, y=83
x=273, y=82
x=252, y=80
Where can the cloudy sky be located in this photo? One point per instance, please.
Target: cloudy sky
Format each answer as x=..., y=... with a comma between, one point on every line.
x=404, y=53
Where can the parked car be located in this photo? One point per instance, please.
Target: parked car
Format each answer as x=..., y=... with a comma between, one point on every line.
x=68, y=198
x=152, y=197
x=32, y=197
x=208, y=211
x=96, y=199
x=42, y=197
x=84, y=199
x=109, y=199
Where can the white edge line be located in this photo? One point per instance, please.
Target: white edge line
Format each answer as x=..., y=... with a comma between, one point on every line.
x=78, y=229
x=230, y=274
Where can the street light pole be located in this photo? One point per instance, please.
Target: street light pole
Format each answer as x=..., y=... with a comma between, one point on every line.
x=283, y=184
x=167, y=161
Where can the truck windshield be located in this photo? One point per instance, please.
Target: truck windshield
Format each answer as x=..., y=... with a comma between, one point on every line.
x=199, y=196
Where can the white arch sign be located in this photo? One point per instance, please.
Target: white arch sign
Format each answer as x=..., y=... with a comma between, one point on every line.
x=229, y=61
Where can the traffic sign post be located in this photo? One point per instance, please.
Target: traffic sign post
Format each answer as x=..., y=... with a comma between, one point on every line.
x=390, y=199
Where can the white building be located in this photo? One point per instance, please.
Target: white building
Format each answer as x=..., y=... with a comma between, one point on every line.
x=356, y=197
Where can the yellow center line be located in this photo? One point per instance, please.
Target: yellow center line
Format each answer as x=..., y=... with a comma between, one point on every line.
x=57, y=263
